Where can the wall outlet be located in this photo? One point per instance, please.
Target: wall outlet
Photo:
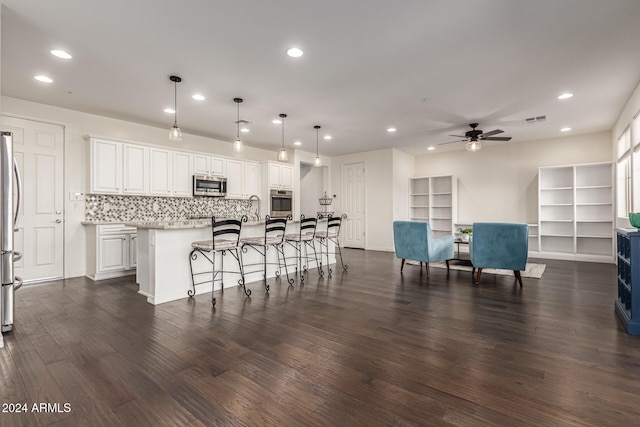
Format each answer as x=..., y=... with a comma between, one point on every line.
x=74, y=196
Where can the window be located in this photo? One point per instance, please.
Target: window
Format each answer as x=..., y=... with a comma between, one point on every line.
x=623, y=175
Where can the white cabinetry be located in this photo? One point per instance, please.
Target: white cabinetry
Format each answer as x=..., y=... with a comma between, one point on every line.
x=160, y=172
x=575, y=212
x=434, y=200
x=278, y=176
x=182, y=174
x=243, y=179
x=135, y=169
x=106, y=166
x=206, y=165
x=111, y=251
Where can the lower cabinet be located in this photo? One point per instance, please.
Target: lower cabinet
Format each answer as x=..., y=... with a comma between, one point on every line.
x=112, y=251
x=627, y=304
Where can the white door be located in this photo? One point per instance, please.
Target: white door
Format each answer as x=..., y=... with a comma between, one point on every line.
x=39, y=149
x=352, y=232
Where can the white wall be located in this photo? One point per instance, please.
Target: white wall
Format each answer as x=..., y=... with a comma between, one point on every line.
x=403, y=169
x=311, y=189
x=77, y=125
x=499, y=182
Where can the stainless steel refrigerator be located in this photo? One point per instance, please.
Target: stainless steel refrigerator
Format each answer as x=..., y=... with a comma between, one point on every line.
x=11, y=189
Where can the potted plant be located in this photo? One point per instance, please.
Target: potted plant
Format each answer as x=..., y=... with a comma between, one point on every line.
x=464, y=233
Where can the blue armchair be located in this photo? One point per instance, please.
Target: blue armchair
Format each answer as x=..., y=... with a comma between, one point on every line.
x=414, y=241
x=499, y=245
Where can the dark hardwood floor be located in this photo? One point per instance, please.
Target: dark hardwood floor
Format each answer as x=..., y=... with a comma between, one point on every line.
x=367, y=347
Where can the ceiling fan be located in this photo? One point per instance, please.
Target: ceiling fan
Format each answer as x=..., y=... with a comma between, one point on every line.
x=474, y=137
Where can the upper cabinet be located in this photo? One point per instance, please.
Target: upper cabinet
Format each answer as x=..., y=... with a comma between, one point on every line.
x=161, y=172
x=243, y=179
x=278, y=176
x=207, y=165
x=106, y=166
x=135, y=168
x=182, y=173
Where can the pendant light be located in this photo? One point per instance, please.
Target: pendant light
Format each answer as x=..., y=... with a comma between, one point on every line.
x=282, y=155
x=237, y=144
x=175, y=134
x=317, y=161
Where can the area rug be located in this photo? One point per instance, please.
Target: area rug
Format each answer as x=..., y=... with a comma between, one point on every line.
x=533, y=271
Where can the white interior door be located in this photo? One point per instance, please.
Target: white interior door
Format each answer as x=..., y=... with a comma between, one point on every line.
x=39, y=150
x=352, y=233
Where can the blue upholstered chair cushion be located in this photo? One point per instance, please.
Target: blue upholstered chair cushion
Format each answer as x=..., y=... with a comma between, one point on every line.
x=499, y=245
x=413, y=240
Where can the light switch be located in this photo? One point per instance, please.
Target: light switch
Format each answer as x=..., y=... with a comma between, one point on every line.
x=76, y=196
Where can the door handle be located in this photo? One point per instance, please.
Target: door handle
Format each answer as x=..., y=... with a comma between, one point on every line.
x=58, y=221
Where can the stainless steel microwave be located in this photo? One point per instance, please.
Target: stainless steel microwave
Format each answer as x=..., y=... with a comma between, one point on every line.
x=205, y=185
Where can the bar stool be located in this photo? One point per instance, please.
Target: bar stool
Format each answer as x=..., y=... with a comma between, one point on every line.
x=225, y=237
x=332, y=234
x=305, y=238
x=274, y=230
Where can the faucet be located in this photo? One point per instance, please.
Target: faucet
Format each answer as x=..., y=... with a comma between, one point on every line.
x=257, y=212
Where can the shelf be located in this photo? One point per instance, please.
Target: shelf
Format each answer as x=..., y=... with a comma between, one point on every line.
x=591, y=187
x=556, y=204
x=556, y=220
x=441, y=194
x=593, y=236
x=556, y=188
x=419, y=207
x=441, y=206
x=419, y=194
x=420, y=217
x=595, y=204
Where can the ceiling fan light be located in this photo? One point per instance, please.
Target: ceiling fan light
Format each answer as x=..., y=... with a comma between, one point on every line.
x=473, y=145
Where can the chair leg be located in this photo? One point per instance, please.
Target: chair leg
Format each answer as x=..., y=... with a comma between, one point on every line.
x=241, y=281
x=518, y=276
x=426, y=264
x=447, y=261
x=478, y=276
x=213, y=278
x=402, y=265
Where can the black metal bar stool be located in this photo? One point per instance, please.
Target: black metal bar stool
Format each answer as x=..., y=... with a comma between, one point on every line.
x=274, y=230
x=305, y=239
x=331, y=234
x=225, y=237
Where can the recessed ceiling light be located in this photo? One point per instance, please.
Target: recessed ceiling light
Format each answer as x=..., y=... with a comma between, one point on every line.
x=169, y=110
x=244, y=129
x=43, y=79
x=198, y=97
x=297, y=143
x=431, y=148
x=295, y=52
x=327, y=137
x=565, y=129
x=565, y=96
x=276, y=121
x=61, y=54
x=391, y=129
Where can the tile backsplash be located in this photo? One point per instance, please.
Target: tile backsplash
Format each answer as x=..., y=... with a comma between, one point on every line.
x=101, y=207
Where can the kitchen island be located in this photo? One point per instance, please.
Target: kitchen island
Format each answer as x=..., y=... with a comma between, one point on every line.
x=163, y=270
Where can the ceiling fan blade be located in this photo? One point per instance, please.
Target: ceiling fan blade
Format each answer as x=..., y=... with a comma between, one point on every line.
x=492, y=132
x=497, y=138
x=451, y=142
x=458, y=136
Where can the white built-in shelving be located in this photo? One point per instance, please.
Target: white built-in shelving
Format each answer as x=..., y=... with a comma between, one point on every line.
x=575, y=212
x=434, y=200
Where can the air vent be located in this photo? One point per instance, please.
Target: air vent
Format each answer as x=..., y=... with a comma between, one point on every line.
x=535, y=119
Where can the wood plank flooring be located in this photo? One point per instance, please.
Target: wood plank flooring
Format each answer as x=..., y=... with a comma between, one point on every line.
x=368, y=347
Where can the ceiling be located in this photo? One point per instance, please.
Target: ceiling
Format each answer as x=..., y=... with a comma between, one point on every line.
x=427, y=68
